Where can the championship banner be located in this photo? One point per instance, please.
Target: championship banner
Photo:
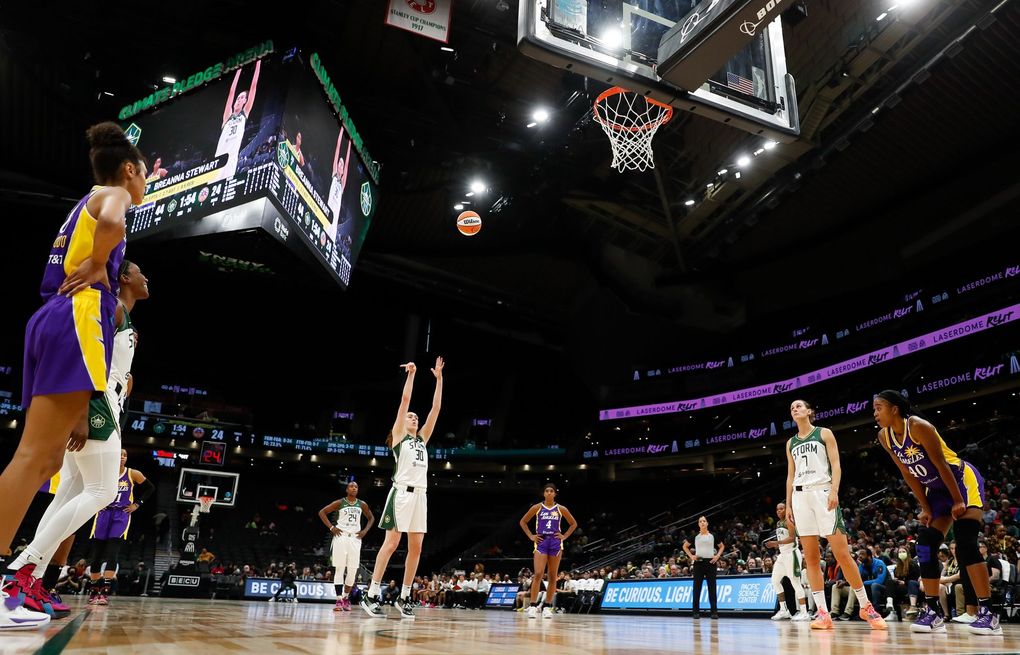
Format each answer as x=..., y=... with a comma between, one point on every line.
x=734, y=593
x=429, y=18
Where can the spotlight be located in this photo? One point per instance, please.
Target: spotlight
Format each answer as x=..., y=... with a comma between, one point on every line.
x=612, y=38
x=540, y=115
x=477, y=186
x=743, y=161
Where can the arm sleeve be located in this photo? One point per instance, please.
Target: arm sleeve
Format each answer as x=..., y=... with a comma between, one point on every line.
x=143, y=491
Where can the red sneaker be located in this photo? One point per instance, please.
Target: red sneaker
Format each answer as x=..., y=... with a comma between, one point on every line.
x=19, y=590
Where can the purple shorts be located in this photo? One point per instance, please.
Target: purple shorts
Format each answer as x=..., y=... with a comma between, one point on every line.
x=111, y=524
x=68, y=345
x=549, y=545
x=972, y=487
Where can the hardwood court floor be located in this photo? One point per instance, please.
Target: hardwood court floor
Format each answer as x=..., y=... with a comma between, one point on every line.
x=153, y=626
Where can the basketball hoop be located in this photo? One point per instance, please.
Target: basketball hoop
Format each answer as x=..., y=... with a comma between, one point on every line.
x=205, y=504
x=630, y=120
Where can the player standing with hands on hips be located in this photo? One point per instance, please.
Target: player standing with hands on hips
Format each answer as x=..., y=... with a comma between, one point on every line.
x=347, y=536
x=406, y=509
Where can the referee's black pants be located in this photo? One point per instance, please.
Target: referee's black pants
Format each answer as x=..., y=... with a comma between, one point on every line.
x=704, y=570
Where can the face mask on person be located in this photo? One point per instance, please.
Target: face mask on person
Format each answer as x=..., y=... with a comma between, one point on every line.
x=903, y=555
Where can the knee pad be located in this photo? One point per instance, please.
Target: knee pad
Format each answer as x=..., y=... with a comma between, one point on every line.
x=928, y=542
x=967, y=552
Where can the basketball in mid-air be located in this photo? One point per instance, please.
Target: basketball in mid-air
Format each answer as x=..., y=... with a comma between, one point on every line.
x=469, y=223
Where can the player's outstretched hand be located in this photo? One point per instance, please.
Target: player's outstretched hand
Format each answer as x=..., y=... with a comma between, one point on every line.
x=409, y=367
x=438, y=370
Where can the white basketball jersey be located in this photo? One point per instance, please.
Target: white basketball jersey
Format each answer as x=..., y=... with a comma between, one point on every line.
x=783, y=532
x=412, y=463
x=230, y=139
x=810, y=460
x=336, y=192
x=348, y=516
x=123, y=355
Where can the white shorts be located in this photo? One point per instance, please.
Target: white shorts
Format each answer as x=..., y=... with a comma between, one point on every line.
x=405, y=511
x=788, y=565
x=346, y=555
x=812, y=515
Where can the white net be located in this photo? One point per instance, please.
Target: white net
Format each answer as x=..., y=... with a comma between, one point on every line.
x=205, y=504
x=630, y=120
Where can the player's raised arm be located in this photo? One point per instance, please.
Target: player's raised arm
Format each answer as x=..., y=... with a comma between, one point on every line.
x=437, y=401
x=400, y=423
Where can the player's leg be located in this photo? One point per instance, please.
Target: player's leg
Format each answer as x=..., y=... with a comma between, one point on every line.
x=778, y=573
x=536, y=582
x=841, y=549
x=698, y=571
x=928, y=541
x=370, y=600
x=414, y=543
x=553, y=566
x=39, y=456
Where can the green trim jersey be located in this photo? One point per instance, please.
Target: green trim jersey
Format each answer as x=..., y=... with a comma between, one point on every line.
x=810, y=460
x=412, y=459
x=348, y=516
x=124, y=341
x=783, y=532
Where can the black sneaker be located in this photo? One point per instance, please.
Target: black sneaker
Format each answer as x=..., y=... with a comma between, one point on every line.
x=695, y=616
x=843, y=617
x=406, y=611
x=715, y=615
x=372, y=607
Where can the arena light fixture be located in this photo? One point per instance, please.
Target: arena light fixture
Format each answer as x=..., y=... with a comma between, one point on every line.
x=458, y=206
x=882, y=16
x=540, y=115
x=477, y=186
x=689, y=202
x=743, y=161
x=169, y=79
x=723, y=171
x=769, y=145
x=612, y=38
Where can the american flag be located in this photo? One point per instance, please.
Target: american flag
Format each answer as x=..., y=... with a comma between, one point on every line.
x=739, y=83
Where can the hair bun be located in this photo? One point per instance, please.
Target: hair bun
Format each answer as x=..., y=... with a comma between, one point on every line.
x=106, y=135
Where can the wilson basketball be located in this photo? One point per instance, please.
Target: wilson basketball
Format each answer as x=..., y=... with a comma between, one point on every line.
x=469, y=223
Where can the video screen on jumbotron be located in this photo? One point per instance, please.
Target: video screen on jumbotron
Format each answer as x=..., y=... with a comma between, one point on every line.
x=264, y=130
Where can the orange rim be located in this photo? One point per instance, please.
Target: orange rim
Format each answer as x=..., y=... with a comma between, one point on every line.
x=666, y=116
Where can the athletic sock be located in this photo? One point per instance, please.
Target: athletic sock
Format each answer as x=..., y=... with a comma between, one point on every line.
x=862, y=597
x=374, y=590
x=934, y=605
x=986, y=603
x=405, y=592
x=339, y=590
x=51, y=576
x=819, y=597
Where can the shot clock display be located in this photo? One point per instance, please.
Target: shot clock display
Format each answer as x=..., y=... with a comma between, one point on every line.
x=214, y=453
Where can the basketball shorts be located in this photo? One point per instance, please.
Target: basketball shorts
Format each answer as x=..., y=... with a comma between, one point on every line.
x=972, y=487
x=787, y=566
x=68, y=345
x=405, y=511
x=347, y=555
x=104, y=415
x=549, y=545
x=812, y=515
x=111, y=523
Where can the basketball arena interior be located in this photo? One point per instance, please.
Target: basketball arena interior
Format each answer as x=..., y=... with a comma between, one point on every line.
x=637, y=250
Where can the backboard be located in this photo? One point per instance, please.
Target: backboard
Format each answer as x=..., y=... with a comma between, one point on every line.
x=219, y=484
x=723, y=59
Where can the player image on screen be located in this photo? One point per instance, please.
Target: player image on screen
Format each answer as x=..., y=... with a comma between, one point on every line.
x=235, y=116
x=338, y=184
x=157, y=172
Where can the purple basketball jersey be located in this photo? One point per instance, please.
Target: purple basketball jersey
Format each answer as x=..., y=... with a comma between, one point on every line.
x=112, y=522
x=548, y=520
x=73, y=245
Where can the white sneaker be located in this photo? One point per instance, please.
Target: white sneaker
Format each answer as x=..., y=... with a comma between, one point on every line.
x=20, y=618
x=547, y=612
x=532, y=612
x=781, y=615
x=272, y=600
x=964, y=618
x=801, y=616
